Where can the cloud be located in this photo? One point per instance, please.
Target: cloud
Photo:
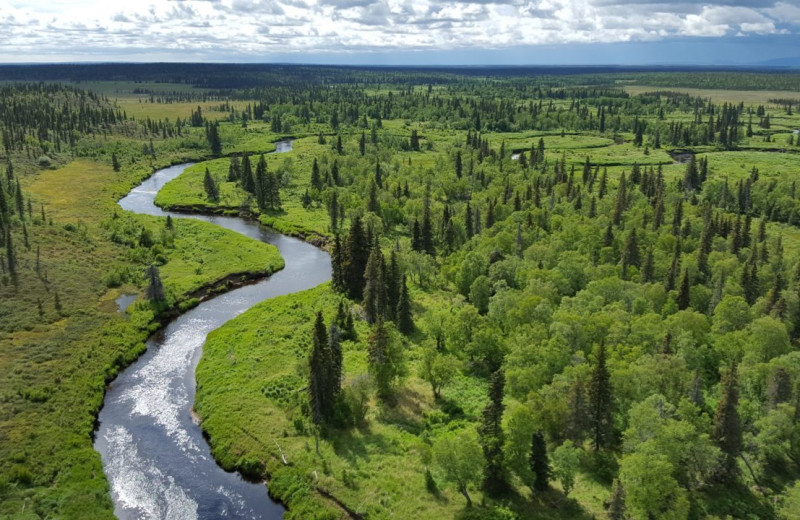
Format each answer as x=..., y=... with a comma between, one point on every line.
x=87, y=28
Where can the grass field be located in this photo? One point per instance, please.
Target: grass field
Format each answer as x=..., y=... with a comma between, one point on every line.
x=749, y=97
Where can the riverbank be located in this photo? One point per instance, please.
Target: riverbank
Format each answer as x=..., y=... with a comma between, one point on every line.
x=56, y=363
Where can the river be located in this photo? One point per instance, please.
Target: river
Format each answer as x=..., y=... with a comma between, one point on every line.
x=154, y=455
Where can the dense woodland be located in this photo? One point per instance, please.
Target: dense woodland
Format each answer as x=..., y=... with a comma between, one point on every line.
x=550, y=297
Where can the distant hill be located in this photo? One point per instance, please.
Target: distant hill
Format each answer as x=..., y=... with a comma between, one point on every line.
x=781, y=62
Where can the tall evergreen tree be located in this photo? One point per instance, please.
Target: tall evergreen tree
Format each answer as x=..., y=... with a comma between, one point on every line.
x=683, y=292
x=11, y=255
x=674, y=267
x=373, y=204
x=214, y=141
x=338, y=261
x=247, y=180
x=316, y=178
x=620, y=204
x=727, y=430
x=468, y=221
x=677, y=218
x=630, y=253
x=416, y=237
x=357, y=254
x=426, y=233
x=260, y=183
x=344, y=322
x=490, y=432
x=601, y=416
x=385, y=358
x=210, y=186
x=272, y=192
x=393, y=280
x=234, y=169
x=539, y=463
x=375, y=285
x=405, y=321
x=691, y=179
x=319, y=364
x=155, y=289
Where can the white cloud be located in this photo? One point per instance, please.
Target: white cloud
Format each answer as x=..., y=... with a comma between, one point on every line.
x=89, y=28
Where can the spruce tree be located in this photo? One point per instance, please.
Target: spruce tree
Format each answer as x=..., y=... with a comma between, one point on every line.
x=273, y=194
x=683, y=292
x=337, y=361
x=344, y=322
x=338, y=261
x=385, y=359
x=658, y=212
x=491, y=436
x=405, y=321
x=319, y=363
x=749, y=282
x=677, y=218
x=373, y=205
x=11, y=256
x=539, y=463
x=704, y=248
x=357, y=250
x=630, y=253
x=247, y=181
x=468, y=221
x=727, y=430
x=601, y=418
x=603, y=185
x=20, y=200
x=619, y=205
x=260, y=183
x=674, y=267
x=691, y=180
x=375, y=285
x=316, y=179
x=115, y=162
x=393, y=280
x=214, y=141
x=155, y=289
x=212, y=191
x=416, y=237
x=234, y=169
x=426, y=233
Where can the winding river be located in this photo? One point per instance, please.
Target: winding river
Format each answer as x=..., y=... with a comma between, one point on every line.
x=154, y=455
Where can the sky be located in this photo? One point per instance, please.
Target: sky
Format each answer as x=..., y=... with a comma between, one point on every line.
x=402, y=32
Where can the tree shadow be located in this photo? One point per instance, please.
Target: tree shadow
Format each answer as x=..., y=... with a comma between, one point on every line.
x=353, y=447
x=405, y=410
x=545, y=505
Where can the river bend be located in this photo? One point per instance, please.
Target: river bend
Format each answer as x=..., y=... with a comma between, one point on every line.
x=156, y=460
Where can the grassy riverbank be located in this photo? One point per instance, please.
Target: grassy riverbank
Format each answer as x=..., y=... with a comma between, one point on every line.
x=54, y=363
